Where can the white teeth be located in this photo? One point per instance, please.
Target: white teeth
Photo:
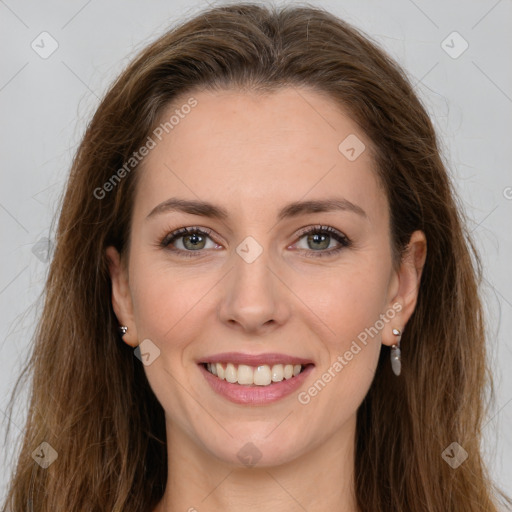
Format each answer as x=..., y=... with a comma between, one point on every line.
x=277, y=373
x=231, y=373
x=245, y=375
x=262, y=375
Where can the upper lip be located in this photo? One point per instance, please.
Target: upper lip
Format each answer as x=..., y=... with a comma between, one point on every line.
x=255, y=359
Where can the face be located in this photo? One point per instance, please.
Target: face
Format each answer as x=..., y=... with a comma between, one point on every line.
x=268, y=281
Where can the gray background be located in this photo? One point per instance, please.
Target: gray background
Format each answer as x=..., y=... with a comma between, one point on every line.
x=46, y=103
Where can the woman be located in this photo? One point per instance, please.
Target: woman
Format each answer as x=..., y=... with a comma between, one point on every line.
x=263, y=294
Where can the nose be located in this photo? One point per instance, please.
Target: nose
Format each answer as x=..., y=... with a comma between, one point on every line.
x=254, y=300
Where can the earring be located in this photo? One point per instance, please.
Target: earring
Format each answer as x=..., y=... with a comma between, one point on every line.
x=396, y=363
x=123, y=329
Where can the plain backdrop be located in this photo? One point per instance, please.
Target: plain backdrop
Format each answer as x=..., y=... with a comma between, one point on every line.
x=457, y=54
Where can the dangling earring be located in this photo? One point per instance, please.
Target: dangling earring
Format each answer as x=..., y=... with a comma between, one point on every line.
x=396, y=363
x=123, y=329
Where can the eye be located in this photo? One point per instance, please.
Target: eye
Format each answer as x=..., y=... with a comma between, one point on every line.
x=318, y=240
x=188, y=240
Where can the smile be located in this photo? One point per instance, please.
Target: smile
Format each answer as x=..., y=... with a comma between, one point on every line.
x=261, y=375
x=255, y=379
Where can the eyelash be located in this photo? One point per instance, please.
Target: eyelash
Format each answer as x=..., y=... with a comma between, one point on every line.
x=339, y=237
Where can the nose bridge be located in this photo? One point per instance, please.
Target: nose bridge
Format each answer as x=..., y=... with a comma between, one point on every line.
x=253, y=298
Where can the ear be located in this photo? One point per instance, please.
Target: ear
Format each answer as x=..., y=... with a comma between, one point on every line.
x=404, y=286
x=121, y=298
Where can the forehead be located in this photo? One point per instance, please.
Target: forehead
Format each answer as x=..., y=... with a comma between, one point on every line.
x=248, y=151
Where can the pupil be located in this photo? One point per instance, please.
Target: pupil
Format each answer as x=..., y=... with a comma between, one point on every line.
x=315, y=238
x=193, y=239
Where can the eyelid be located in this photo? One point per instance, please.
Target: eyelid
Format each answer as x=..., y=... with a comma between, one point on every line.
x=320, y=228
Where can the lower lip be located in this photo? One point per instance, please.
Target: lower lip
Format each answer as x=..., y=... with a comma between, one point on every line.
x=255, y=395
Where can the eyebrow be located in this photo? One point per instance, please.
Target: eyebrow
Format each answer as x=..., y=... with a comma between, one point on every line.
x=291, y=210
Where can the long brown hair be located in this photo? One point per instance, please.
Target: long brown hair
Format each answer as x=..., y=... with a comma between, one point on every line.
x=90, y=399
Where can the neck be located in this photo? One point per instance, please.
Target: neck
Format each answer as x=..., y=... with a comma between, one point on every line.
x=317, y=480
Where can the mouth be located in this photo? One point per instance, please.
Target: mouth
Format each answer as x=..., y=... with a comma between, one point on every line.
x=255, y=379
x=260, y=375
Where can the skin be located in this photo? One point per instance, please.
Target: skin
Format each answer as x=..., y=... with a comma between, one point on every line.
x=254, y=154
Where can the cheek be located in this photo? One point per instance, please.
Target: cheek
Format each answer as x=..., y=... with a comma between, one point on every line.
x=346, y=300
x=164, y=302
x=350, y=304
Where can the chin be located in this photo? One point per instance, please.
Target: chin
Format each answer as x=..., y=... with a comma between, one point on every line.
x=254, y=450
